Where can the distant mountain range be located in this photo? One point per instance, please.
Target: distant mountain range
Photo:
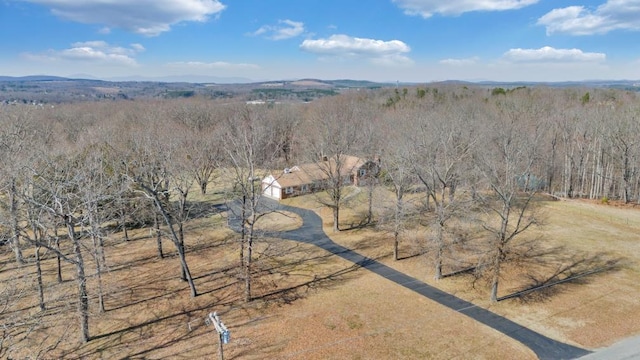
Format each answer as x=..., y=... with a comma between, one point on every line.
x=33, y=78
x=81, y=87
x=196, y=79
x=203, y=79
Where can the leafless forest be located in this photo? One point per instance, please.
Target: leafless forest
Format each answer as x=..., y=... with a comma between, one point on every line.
x=467, y=164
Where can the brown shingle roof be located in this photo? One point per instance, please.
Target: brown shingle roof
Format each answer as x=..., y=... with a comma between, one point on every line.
x=312, y=172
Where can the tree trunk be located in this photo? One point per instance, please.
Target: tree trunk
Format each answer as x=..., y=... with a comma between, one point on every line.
x=247, y=270
x=187, y=273
x=83, y=298
x=626, y=176
x=176, y=241
x=568, y=171
x=439, y=251
x=452, y=191
x=123, y=220
x=59, y=260
x=243, y=230
x=181, y=219
x=15, y=231
x=551, y=164
x=98, y=260
x=39, y=277
x=183, y=276
x=397, y=224
x=395, y=245
x=440, y=212
x=370, y=199
x=495, y=279
x=501, y=243
x=156, y=225
x=494, y=287
x=336, y=226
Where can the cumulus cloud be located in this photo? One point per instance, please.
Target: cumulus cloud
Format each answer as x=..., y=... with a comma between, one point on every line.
x=146, y=17
x=548, y=54
x=344, y=46
x=94, y=52
x=460, y=62
x=579, y=20
x=212, y=65
x=285, y=29
x=427, y=8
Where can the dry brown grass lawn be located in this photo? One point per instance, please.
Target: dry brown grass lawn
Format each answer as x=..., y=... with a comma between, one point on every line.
x=279, y=221
x=311, y=305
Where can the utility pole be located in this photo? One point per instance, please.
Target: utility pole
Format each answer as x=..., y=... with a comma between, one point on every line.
x=223, y=332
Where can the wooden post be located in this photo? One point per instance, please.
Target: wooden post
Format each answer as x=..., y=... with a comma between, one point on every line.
x=220, y=351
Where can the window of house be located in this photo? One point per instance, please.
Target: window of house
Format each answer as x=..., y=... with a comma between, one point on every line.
x=289, y=190
x=305, y=188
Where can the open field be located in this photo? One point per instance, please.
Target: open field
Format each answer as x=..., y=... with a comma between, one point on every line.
x=310, y=305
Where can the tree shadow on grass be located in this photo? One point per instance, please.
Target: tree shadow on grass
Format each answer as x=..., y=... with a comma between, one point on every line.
x=363, y=223
x=289, y=269
x=204, y=209
x=411, y=256
x=467, y=270
x=292, y=293
x=119, y=339
x=110, y=342
x=558, y=271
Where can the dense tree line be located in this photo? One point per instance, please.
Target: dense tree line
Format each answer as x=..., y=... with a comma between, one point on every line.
x=449, y=155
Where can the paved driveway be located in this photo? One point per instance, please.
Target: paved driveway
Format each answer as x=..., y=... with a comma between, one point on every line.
x=311, y=232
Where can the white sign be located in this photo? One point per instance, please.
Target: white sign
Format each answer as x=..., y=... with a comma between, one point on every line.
x=220, y=328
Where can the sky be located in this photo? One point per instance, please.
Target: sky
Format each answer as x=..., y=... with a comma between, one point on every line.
x=377, y=40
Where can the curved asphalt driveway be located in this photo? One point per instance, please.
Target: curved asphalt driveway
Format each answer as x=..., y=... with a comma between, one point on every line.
x=311, y=232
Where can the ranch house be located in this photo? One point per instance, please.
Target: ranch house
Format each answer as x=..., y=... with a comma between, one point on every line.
x=308, y=178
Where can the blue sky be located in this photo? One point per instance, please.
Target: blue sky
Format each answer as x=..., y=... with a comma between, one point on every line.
x=378, y=40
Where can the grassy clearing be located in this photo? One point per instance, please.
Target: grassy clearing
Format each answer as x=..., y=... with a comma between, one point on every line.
x=279, y=221
x=311, y=305
x=593, y=311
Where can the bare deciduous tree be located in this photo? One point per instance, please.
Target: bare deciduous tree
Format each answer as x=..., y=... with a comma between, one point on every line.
x=507, y=163
x=147, y=171
x=249, y=154
x=334, y=132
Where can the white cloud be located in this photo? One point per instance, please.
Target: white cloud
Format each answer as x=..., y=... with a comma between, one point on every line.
x=213, y=65
x=96, y=52
x=427, y=8
x=138, y=47
x=347, y=45
x=392, y=60
x=460, y=62
x=146, y=17
x=578, y=20
x=285, y=29
x=549, y=54
x=343, y=46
